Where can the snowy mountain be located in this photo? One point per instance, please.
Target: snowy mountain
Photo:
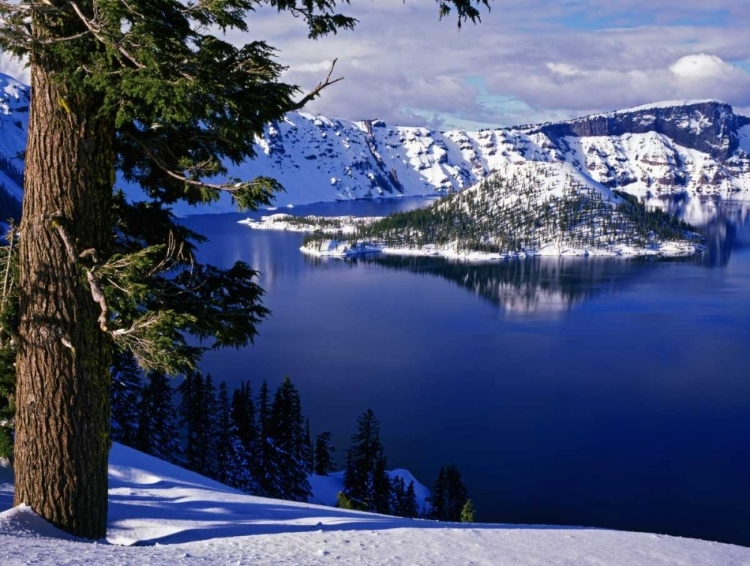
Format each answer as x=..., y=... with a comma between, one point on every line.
x=163, y=515
x=698, y=148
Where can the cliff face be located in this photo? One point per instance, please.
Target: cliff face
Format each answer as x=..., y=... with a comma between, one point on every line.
x=710, y=127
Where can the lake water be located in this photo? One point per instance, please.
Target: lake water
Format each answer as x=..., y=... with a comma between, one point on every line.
x=613, y=393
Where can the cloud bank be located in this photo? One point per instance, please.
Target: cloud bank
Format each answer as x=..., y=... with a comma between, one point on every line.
x=526, y=62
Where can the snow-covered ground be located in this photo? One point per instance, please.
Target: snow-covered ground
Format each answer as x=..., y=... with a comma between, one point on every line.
x=163, y=515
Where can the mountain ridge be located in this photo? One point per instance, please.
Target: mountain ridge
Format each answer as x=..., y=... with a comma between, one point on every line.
x=695, y=148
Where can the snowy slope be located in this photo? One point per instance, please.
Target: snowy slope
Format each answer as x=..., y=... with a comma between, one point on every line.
x=163, y=515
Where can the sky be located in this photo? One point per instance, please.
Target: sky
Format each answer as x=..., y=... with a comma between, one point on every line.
x=528, y=61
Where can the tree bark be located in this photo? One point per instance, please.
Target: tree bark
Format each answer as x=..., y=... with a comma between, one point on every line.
x=62, y=411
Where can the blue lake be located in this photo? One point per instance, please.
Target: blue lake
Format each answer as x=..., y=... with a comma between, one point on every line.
x=613, y=393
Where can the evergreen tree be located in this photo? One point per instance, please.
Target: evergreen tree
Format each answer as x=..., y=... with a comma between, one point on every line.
x=449, y=495
x=148, y=89
x=126, y=391
x=403, y=499
x=456, y=494
x=157, y=427
x=243, y=415
x=438, y=498
x=323, y=449
x=209, y=430
x=365, y=480
x=467, y=512
x=192, y=418
x=264, y=469
x=231, y=461
x=310, y=459
x=290, y=447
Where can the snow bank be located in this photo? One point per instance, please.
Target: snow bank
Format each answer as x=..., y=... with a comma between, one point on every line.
x=171, y=516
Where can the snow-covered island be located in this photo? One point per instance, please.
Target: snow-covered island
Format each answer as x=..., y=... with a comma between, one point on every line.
x=524, y=209
x=160, y=514
x=323, y=224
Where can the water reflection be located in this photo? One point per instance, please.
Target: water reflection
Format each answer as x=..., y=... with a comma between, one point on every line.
x=535, y=287
x=719, y=221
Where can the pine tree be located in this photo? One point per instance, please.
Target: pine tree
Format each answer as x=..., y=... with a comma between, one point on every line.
x=449, y=495
x=209, y=430
x=264, y=469
x=157, y=426
x=365, y=480
x=467, y=512
x=290, y=448
x=310, y=456
x=231, y=460
x=192, y=415
x=456, y=494
x=323, y=449
x=126, y=391
x=243, y=414
x=144, y=89
x=438, y=498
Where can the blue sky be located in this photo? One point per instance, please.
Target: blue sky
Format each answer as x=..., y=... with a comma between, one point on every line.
x=529, y=61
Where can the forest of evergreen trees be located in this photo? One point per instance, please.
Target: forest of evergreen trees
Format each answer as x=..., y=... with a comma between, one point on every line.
x=512, y=214
x=261, y=444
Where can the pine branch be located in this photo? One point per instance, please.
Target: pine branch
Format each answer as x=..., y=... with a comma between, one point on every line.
x=314, y=93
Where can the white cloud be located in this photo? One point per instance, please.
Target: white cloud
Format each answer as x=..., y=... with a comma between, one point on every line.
x=702, y=66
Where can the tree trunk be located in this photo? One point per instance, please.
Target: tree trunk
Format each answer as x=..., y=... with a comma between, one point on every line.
x=62, y=411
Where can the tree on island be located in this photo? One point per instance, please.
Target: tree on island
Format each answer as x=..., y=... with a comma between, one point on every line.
x=142, y=89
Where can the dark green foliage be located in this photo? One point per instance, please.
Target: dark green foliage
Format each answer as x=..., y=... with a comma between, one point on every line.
x=510, y=215
x=264, y=468
x=403, y=499
x=310, y=455
x=243, y=416
x=198, y=415
x=323, y=458
x=449, y=495
x=365, y=479
x=157, y=427
x=231, y=460
x=290, y=447
x=124, y=398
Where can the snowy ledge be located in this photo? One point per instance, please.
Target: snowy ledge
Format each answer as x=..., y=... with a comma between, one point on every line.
x=344, y=249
